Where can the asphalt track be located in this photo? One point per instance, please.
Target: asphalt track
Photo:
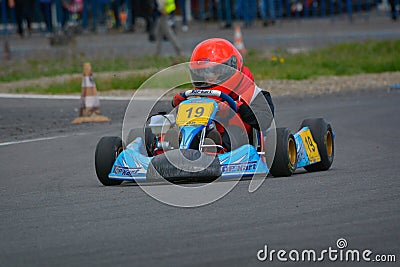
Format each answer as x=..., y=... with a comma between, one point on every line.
x=54, y=212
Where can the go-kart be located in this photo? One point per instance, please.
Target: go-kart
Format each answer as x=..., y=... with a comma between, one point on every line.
x=187, y=146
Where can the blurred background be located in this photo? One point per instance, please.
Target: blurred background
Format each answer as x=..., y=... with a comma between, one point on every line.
x=59, y=20
x=50, y=16
x=51, y=38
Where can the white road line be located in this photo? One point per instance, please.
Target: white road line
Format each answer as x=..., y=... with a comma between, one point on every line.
x=72, y=97
x=37, y=139
x=39, y=96
x=60, y=97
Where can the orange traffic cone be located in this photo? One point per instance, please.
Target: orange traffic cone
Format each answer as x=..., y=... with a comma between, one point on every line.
x=238, y=40
x=90, y=103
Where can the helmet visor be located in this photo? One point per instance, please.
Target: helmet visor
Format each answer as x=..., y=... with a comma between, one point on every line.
x=211, y=74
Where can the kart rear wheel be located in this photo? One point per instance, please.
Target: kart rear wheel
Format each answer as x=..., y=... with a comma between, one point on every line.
x=285, y=159
x=107, y=150
x=322, y=133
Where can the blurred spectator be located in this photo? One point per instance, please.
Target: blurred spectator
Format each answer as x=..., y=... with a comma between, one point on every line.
x=152, y=18
x=226, y=7
x=104, y=5
x=223, y=9
x=394, y=12
x=172, y=22
x=147, y=10
x=110, y=20
x=65, y=13
x=267, y=11
x=133, y=5
x=23, y=11
x=163, y=26
x=218, y=8
x=71, y=12
x=246, y=10
x=182, y=5
x=45, y=8
x=144, y=8
x=115, y=5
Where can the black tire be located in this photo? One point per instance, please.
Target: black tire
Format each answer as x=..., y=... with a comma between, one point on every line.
x=107, y=150
x=148, y=137
x=285, y=159
x=322, y=133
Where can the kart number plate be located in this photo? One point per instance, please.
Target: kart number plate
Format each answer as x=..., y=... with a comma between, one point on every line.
x=194, y=113
x=310, y=146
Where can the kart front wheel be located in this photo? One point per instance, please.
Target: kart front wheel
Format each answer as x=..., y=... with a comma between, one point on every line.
x=323, y=135
x=285, y=159
x=107, y=150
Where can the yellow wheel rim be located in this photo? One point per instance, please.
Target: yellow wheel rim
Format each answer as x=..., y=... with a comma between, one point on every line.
x=292, y=151
x=329, y=143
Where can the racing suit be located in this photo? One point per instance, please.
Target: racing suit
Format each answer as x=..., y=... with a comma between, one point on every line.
x=252, y=102
x=255, y=107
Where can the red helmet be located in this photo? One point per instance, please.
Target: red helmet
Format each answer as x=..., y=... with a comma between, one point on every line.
x=215, y=63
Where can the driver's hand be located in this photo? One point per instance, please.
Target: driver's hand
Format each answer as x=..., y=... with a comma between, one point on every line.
x=178, y=98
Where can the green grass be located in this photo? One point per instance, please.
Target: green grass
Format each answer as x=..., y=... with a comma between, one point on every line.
x=342, y=59
x=32, y=69
x=74, y=85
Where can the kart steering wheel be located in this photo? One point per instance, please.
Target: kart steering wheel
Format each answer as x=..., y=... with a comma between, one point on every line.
x=216, y=93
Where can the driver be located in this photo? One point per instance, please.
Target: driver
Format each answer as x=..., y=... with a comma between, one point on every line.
x=216, y=64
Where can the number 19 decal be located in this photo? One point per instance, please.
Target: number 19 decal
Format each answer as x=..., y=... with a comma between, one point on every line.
x=197, y=113
x=194, y=113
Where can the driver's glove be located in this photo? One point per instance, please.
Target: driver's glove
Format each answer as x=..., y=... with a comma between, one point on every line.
x=178, y=98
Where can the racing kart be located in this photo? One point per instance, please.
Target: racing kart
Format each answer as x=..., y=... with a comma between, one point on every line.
x=185, y=145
